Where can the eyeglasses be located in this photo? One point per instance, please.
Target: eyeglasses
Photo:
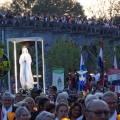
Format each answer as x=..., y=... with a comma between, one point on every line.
x=99, y=113
x=111, y=103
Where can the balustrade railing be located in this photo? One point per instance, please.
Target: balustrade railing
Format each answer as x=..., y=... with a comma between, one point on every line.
x=60, y=27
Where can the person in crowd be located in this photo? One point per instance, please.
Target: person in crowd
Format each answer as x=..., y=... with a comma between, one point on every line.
x=35, y=92
x=96, y=76
x=18, y=104
x=111, y=99
x=43, y=103
x=22, y=114
x=61, y=96
x=44, y=115
x=97, y=110
x=61, y=111
x=71, y=99
x=23, y=104
x=53, y=90
x=52, y=98
x=75, y=111
x=31, y=103
x=63, y=100
x=81, y=101
x=18, y=97
x=65, y=93
x=7, y=106
x=93, y=85
x=118, y=108
x=99, y=95
x=51, y=108
x=80, y=94
x=88, y=99
x=36, y=102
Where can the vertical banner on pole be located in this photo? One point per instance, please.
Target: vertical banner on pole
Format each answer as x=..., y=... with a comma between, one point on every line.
x=58, y=78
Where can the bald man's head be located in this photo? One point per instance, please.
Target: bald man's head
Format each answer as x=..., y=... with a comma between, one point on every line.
x=97, y=109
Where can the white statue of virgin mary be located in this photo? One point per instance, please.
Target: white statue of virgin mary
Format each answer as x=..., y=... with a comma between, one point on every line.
x=26, y=78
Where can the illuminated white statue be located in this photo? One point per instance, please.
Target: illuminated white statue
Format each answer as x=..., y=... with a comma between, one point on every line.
x=26, y=78
x=81, y=72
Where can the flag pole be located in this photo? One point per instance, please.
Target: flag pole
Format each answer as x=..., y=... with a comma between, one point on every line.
x=101, y=65
x=79, y=75
x=82, y=74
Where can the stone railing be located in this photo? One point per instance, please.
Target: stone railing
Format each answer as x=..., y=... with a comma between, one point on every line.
x=61, y=27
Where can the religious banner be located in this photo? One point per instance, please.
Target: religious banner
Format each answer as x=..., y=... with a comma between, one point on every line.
x=58, y=78
x=4, y=64
x=114, y=76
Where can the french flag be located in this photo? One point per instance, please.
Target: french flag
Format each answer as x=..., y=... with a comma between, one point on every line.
x=116, y=87
x=101, y=65
x=82, y=67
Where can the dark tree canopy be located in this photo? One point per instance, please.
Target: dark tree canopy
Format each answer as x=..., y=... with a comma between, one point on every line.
x=22, y=5
x=58, y=7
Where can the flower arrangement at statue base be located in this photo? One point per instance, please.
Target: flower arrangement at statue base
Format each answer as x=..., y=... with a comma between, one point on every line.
x=25, y=91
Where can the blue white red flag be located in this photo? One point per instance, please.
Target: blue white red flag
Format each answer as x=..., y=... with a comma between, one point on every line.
x=116, y=87
x=82, y=68
x=101, y=64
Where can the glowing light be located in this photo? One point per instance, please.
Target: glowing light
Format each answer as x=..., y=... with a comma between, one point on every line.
x=86, y=4
x=3, y=1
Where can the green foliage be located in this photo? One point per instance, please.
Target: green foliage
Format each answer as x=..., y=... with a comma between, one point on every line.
x=64, y=53
x=22, y=5
x=116, y=18
x=59, y=7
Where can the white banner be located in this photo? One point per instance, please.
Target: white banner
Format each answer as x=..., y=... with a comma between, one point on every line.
x=58, y=78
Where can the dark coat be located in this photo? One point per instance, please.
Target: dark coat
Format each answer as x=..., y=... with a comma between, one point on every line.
x=34, y=115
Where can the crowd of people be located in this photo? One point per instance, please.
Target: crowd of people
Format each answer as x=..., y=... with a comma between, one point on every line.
x=63, y=19
x=64, y=105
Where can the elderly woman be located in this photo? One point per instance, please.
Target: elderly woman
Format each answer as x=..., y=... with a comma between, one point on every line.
x=7, y=106
x=60, y=96
x=23, y=104
x=22, y=114
x=45, y=116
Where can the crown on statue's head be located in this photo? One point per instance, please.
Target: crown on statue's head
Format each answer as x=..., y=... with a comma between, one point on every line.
x=24, y=46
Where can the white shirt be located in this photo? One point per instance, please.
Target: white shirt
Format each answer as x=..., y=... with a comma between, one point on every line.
x=114, y=116
x=97, y=77
x=80, y=118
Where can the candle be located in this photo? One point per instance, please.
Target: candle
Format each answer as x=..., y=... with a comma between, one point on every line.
x=65, y=119
x=10, y=115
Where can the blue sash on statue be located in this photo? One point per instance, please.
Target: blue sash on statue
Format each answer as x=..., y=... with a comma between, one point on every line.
x=25, y=71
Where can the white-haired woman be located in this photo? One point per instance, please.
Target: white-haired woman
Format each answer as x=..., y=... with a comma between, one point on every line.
x=22, y=114
x=44, y=115
x=7, y=106
x=61, y=96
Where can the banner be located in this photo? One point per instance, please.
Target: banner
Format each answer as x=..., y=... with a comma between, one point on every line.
x=114, y=76
x=58, y=78
x=4, y=64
